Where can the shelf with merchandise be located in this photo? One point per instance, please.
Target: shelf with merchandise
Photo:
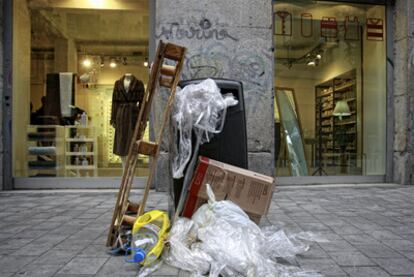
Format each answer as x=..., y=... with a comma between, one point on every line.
x=44, y=150
x=80, y=147
x=343, y=130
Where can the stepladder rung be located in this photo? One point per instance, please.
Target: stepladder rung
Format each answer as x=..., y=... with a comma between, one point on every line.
x=128, y=220
x=132, y=207
x=168, y=70
x=174, y=52
x=148, y=148
x=166, y=81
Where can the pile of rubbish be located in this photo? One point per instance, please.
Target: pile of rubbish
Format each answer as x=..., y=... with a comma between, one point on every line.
x=220, y=238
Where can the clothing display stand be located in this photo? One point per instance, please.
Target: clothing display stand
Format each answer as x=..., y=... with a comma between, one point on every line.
x=166, y=76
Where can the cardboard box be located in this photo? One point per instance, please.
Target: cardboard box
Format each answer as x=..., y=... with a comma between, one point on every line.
x=250, y=190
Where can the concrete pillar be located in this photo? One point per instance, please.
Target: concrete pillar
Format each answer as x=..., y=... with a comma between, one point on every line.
x=403, y=92
x=227, y=39
x=66, y=56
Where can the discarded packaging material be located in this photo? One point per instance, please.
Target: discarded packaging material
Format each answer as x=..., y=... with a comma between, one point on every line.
x=200, y=108
x=148, y=237
x=250, y=190
x=221, y=239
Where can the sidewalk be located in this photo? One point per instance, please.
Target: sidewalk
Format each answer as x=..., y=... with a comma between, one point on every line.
x=63, y=233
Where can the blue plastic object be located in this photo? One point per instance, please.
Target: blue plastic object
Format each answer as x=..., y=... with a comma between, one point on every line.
x=139, y=255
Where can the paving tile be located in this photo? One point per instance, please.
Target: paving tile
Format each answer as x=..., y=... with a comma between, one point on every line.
x=403, y=245
x=325, y=266
x=365, y=271
x=14, y=243
x=351, y=258
x=56, y=257
x=36, y=270
x=396, y=266
x=408, y=254
x=378, y=251
x=95, y=250
x=360, y=239
x=11, y=264
x=335, y=246
x=83, y=265
x=116, y=266
x=384, y=235
x=315, y=251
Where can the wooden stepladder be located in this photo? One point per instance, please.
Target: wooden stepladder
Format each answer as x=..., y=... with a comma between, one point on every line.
x=166, y=76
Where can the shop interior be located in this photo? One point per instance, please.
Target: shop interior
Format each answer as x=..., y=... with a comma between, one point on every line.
x=67, y=56
x=330, y=60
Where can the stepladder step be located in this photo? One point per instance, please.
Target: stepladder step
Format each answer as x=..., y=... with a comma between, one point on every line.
x=166, y=81
x=168, y=70
x=148, y=148
x=133, y=207
x=128, y=220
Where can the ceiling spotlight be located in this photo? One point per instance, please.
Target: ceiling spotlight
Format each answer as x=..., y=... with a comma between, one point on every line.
x=319, y=56
x=87, y=62
x=112, y=64
x=311, y=63
x=146, y=62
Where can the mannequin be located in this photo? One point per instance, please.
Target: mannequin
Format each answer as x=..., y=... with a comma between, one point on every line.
x=128, y=93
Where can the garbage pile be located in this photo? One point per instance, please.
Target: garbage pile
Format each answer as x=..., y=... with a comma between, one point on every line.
x=221, y=237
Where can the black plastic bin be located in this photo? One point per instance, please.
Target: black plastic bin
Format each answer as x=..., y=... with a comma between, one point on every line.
x=229, y=146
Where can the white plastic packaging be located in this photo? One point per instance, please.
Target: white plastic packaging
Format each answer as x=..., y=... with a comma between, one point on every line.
x=201, y=109
x=221, y=239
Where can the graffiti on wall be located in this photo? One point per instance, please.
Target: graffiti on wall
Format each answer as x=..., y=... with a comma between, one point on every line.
x=201, y=29
x=215, y=51
x=243, y=62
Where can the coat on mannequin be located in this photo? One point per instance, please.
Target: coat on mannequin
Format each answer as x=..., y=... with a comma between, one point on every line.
x=128, y=93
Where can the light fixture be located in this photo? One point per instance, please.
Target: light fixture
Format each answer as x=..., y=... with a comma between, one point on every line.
x=341, y=109
x=311, y=63
x=146, y=62
x=113, y=63
x=319, y=56
x=87, y=62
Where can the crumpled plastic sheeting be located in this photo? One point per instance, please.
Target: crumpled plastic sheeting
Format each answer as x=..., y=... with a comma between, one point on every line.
x=200, y=108
x=222, y=240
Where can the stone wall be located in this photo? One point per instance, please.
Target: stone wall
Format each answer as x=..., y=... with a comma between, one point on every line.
x=403, y=101
x=227, y=39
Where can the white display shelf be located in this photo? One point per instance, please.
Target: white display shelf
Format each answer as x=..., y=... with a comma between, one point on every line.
x=80, y=140
x=80, y=153
x=84, y=167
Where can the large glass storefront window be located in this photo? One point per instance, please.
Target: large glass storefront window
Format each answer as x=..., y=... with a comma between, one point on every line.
x=330, y=87
x=80, y=67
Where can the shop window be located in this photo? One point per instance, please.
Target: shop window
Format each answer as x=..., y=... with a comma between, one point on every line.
x=332, y=56
x=66, y=60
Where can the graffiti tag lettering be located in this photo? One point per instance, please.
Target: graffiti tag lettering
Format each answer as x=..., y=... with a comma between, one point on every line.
x=204, y=30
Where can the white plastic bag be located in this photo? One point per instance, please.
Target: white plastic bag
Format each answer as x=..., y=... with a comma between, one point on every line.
x=200, y=108
x=221, y=239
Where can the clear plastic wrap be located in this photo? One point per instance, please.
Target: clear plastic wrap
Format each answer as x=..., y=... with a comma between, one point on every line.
x=221, y=239
x=179, y=252
x=200, y=108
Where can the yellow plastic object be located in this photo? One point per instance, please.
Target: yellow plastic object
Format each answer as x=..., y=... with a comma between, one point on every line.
x=160, y=219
